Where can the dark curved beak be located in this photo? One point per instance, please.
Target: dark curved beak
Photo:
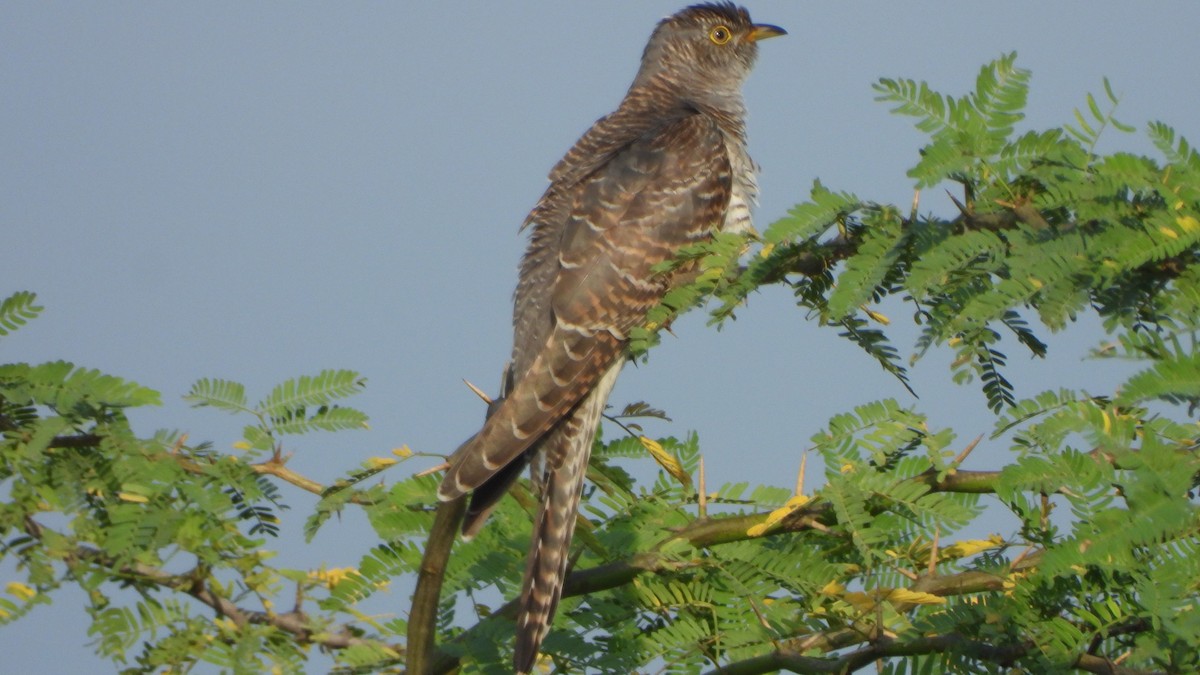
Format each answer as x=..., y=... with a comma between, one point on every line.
x=762, y=31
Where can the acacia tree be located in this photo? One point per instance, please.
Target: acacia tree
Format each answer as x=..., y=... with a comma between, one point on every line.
x=677, y=575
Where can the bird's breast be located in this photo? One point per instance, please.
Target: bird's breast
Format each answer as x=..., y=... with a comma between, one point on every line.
x=744, y=191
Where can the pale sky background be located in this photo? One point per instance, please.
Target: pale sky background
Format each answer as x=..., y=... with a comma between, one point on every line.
x=256, y=191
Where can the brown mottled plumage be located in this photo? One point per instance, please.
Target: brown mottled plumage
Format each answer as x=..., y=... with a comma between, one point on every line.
x=666, y=169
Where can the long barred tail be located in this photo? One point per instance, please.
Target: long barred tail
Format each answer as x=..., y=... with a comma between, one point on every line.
x=547, y=563
x=564, y=456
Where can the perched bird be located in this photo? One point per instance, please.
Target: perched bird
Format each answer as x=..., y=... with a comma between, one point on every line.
x=667, y=169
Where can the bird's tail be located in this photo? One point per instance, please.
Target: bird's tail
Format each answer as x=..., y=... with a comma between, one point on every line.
x=549, y=550
x=563, y=460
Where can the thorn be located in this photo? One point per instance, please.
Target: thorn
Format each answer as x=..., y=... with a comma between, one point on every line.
x=912, y=576
x=961, y=209
x=1017, y=560
x=814, y=524
x=703, y=496
x=912, y=216
x=478, y=392
x=433, y=469
x=800, y=476
x=962, y=456
x=762, y=620
x=933, y=553
x=808, y=642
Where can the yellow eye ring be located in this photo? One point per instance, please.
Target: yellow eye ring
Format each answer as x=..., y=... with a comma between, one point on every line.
x=720, y=35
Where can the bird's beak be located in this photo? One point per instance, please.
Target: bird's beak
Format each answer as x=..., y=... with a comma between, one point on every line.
x=762, y=31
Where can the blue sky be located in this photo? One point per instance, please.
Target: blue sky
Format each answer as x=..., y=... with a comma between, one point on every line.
x=256, y=191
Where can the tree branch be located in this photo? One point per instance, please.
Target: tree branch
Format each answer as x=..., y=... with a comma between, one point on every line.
x=814, y=261
x=709, y=532
x=424, y=658
x=294, y=622
x=422, y=619
x=790, y=659
x=76, y=441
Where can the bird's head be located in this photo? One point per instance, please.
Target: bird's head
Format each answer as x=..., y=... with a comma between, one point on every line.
x=705, y=48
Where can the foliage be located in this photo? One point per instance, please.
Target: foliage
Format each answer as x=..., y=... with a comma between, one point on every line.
x=880, y=567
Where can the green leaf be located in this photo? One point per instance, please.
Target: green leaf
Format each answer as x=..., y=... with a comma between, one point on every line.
x=320, y=389
x=224, y=395
x=878, y=252
x=16, y=310
x=875, y=343
x=326, y=418
x=65, y=388
x=1175, y=379
x=952, y=255
x=812, y=218
x=1175, y=149
x=1001, y=90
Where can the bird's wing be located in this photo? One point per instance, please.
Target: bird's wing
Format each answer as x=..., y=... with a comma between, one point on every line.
x=684, y=201
x=667, y=188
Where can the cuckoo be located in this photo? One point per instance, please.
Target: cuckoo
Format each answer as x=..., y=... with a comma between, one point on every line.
x=666, y=169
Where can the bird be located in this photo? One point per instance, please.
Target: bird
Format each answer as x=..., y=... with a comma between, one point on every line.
x=667, y=169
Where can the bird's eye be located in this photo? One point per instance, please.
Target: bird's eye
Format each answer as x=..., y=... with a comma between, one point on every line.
x=720, y=35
